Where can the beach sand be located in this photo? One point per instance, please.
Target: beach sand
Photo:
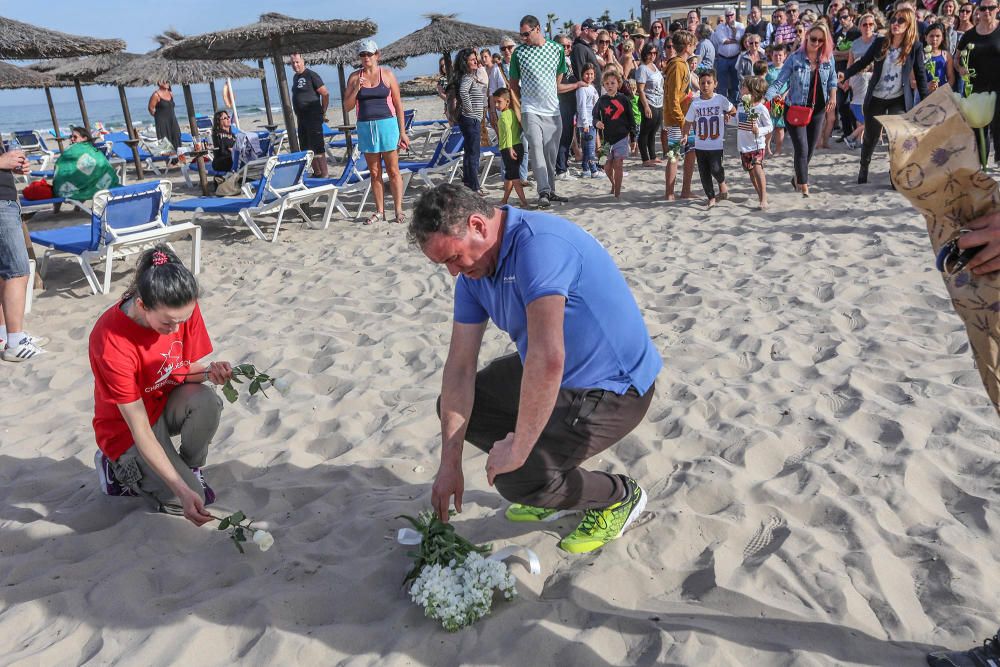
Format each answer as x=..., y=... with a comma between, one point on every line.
x=820, y=457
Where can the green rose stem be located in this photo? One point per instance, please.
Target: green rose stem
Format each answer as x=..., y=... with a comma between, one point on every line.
x=258, y=380
x=233, y=523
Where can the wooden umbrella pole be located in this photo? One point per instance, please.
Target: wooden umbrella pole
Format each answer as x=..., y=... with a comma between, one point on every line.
x=286, y=101
x=215, y=100
x=55, y=121
x=131, y=134
x=189, y=103
x=267, y=95
x=344, y=109
x=83, y=105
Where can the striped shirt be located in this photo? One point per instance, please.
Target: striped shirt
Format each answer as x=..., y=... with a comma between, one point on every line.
x=472, y=95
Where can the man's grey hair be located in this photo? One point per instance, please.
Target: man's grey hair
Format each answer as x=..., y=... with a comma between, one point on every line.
x=445, y=209
x=704, y=32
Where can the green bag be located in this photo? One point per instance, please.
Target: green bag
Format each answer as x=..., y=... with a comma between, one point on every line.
x=81, y=171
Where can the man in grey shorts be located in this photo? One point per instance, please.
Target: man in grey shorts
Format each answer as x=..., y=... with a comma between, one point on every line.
x=15, y=343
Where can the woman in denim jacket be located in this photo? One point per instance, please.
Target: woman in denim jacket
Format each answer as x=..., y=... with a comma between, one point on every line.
x=812, y=81
x=899, y=60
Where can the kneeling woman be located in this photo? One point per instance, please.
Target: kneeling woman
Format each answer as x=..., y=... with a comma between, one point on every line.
x=144, y=352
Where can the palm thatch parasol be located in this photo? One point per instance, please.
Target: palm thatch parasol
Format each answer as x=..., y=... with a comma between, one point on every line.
x=153, y=67
x=48, y=84
x=23, y=41
x=12, y=76
x=86, y=70
x=443, y=35
x=347, y=55
x=273, y=36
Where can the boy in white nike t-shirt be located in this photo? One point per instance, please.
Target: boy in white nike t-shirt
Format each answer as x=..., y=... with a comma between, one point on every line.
x=707, y=115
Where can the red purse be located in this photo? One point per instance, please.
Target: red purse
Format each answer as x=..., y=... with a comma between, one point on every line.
x=801, y=116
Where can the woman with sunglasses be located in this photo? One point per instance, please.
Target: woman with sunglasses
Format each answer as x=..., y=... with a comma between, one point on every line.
x=965, y=21
x=373, y=89
x=898, y=59
x=605, y=54
x=985, y=60
x=751, y=53
x=811, y=79
x=658, y=39
x=649, y=82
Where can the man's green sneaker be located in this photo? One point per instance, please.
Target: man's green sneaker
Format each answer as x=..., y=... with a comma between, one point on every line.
x=518, y=512
x=601, y=526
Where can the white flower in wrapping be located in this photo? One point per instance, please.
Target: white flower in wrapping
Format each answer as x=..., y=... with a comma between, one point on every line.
x=977, y=108
x=263, y=539
x=747, y=100
x=86, y=164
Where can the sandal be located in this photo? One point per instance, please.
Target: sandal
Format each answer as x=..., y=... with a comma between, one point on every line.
x=374, y=217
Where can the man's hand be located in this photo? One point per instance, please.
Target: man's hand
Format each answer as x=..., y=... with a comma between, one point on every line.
x=12, y=160
x=449, y=482
x=647, y=112
x=219, y=372
x=986, y=233
x=503, y=458
x=194, y=507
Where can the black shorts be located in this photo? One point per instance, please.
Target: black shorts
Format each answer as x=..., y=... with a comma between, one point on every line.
x=310, y=130
x=512, y=167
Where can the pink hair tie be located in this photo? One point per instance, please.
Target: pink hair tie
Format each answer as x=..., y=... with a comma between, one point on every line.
x=160, y=258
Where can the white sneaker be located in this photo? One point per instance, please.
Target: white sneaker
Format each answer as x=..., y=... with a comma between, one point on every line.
x=40, y=341
x=596, y=174
x=23, y=352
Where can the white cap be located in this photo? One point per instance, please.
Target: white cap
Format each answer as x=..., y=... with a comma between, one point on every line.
x=367, y=46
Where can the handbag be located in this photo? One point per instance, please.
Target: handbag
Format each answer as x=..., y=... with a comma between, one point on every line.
x=800, y=116
x=227, y=186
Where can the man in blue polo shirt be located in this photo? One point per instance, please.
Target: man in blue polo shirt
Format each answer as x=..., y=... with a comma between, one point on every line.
x=582, y=377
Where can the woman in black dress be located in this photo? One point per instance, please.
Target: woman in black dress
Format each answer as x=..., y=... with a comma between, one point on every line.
x=222, y=141
x=161, y=108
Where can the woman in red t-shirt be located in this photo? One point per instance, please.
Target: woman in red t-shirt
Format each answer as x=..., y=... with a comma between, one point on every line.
x=144, y=352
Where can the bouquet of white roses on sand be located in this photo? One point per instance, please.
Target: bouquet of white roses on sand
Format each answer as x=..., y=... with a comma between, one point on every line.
x=453, y=579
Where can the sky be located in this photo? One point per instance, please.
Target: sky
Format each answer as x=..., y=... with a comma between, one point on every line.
x=137, y=21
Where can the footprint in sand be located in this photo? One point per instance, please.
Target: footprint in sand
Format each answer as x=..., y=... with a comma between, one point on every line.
x=765, y=541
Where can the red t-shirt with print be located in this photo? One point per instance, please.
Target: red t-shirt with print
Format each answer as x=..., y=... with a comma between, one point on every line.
x=131, y=362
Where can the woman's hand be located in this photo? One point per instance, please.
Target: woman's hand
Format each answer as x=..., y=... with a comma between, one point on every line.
x=194, y=506
x=932, y=86
x=219, y=372
x=831, y=103
x=986, y=233
x=404, y=142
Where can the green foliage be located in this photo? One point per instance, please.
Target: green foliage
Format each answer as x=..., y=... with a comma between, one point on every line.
x=237, y=532
x=258, y=380
x=439, y=544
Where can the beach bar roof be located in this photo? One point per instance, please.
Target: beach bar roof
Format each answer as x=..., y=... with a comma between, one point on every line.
x=23, y=41
x=273, y=36
x=12, y=76
x=443, y=35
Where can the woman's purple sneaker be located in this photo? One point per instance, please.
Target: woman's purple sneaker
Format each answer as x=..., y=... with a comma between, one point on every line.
x=110, y=485
x=209, y=493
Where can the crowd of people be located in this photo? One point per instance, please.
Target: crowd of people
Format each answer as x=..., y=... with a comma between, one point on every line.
x=822, y=75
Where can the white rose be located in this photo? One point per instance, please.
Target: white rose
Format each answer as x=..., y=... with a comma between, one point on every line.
x=282, y=386
x=263, y=539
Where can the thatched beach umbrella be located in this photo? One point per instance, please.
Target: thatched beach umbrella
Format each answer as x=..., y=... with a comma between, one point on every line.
x=152, y=67
x=22, y=41
x=273, y=36
x=48, y=82
x=443, y=35
x=86, y=70
x=347, y=55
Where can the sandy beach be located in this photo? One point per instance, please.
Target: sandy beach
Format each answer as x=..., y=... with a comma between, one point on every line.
x=820, y=456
